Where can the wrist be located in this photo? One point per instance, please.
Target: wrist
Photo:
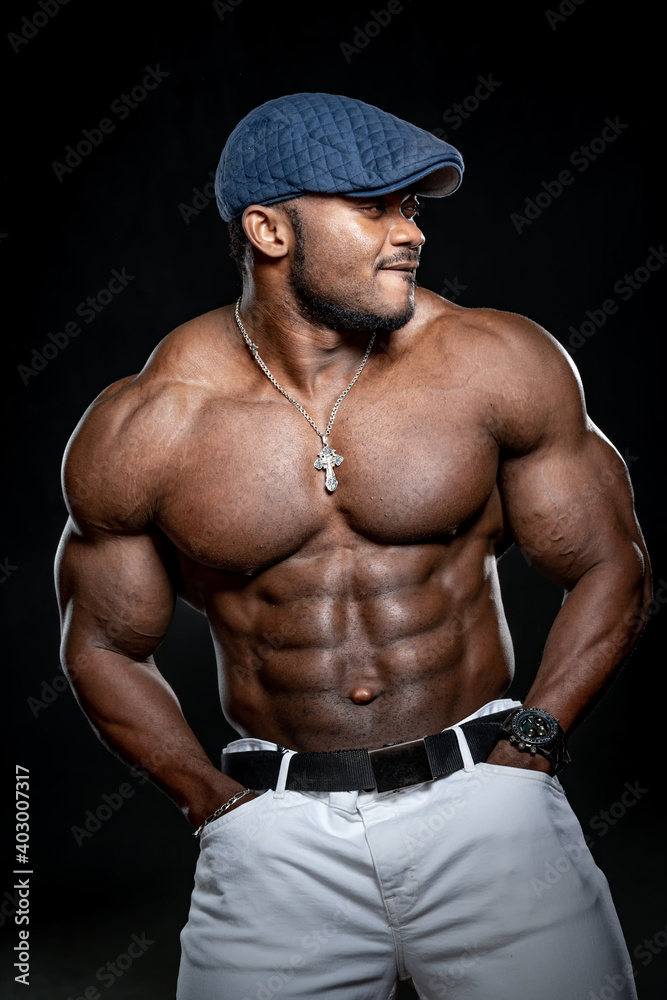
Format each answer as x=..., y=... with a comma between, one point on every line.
x=204, y=801
x=534, y=731
x=507, y=755
x=226, y=806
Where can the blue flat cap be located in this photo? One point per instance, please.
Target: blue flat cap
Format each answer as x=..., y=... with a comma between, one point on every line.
x=329, y=144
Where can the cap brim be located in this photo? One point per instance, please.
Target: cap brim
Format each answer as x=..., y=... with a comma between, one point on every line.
x=430, y=182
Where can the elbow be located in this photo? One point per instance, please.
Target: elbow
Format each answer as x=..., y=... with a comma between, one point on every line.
x=645, y=581
x=638, y=578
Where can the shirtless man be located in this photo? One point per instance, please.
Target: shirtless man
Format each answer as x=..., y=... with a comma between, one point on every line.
x=356, y=605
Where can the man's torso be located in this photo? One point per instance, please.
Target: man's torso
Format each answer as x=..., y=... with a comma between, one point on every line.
x=354, y=618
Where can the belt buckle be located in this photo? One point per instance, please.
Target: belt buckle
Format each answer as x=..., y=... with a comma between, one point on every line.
x=399, y=764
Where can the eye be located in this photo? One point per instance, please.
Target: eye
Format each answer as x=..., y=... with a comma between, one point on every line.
x=411, y=211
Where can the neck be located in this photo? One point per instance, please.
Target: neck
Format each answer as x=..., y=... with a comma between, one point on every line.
x=300, y=354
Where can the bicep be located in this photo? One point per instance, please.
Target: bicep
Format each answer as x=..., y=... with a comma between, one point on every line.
x=569, y=506
x=115, y=592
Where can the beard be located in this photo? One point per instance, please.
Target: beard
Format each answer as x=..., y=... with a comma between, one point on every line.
x=322, y=311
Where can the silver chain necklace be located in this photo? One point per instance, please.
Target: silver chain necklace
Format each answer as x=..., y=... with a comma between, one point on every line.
x=327, y=458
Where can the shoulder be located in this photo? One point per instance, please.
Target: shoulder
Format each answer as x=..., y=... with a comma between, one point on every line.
x=505, y=337
x=117, y=457
x=532, y=384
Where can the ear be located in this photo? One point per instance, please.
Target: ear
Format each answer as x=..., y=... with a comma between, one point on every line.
x=268, y=229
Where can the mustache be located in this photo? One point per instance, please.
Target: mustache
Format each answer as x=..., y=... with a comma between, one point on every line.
x=406, y=257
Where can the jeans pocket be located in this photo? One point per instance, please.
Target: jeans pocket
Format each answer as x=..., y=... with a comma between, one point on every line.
x=522, y=774
x=234, y=816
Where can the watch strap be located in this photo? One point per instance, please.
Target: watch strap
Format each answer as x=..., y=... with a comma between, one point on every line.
x=554, y=751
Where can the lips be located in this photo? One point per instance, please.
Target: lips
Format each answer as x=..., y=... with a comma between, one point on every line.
x=405, y=266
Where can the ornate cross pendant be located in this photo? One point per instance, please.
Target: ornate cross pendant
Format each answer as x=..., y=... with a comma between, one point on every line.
x=326, y=460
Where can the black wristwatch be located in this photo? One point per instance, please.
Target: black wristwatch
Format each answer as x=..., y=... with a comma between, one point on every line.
x=535, y=731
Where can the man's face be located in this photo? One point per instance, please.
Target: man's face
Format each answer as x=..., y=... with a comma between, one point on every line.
x=354, y=260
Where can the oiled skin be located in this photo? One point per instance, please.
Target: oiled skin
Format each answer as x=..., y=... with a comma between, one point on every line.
x=356, y=618
x=375, y=586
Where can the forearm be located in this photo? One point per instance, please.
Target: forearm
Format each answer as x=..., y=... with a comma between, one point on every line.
x=137, y=715
x=593, y=633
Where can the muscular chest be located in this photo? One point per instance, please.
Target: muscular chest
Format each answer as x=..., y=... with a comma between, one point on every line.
x=242, y=492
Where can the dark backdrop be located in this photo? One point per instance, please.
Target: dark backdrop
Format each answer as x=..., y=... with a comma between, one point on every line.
x=139, y=203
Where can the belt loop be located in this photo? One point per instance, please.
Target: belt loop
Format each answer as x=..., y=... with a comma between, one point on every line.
x=282, y=774
x=468, y=762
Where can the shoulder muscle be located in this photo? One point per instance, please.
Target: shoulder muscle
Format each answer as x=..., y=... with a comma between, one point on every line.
x=540, y=395
x=115, y=461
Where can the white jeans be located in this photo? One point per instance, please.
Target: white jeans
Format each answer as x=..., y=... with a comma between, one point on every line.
x=478, y=885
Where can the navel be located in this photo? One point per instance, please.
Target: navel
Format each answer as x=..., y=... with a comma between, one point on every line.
x=361, y=695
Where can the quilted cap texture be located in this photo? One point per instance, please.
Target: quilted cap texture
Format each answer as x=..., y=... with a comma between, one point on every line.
x=330, y=144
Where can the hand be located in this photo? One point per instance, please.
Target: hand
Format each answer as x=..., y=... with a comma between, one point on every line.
x=508, y=756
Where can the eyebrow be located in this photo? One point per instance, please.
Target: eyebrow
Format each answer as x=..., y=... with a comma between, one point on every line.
x=383, y=198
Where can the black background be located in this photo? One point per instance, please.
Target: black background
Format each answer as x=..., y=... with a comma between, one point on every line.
x=126, y=206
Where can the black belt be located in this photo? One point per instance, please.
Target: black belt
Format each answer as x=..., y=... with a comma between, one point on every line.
x=392, y=766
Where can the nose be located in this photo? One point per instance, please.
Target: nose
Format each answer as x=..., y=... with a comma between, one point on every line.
x=406, y=232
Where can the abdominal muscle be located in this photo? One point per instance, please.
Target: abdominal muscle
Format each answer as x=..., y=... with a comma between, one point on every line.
x=363, y=645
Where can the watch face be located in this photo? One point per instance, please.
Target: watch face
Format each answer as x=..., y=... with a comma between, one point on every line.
x=534, y=726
